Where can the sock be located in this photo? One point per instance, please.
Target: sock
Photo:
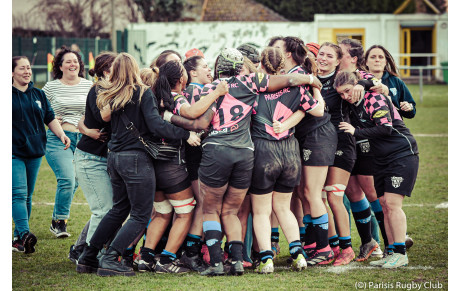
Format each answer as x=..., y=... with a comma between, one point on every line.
x=310, y=235
x=321, y=226
x=334, y=241
x=302, y=233
x=345, y=242
x=377, y=208
x=129, y=252
x=167, y=257
x=192, y=245
x=226, y=247
x=295, y=249
x=236, y=250
x=213, y=234
x=147, y=254
x=255, y=255
x=391, y=248
x=400, y=248
x=275, y=234
x=265, y=255
x=362, y=213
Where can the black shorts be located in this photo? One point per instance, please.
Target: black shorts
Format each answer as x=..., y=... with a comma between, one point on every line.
x=397, y=177
x=192, y=160
x=223, y=164
x=364, y=165
x=345, y=155
x=319, y=146
x=276, y=166
x=172, y=176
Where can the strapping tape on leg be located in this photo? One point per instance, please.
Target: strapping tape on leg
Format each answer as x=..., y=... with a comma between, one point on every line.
x=183, y=206
x=336, y=189
x=163, y=207
x=324, y=193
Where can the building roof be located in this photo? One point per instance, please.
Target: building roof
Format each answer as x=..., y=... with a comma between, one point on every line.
x=238, y=10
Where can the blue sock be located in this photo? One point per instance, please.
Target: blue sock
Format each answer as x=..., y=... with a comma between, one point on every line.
x=295, y=248
x=213, y=235
x=265, y=255
x=362, y=214
x=345, y=242
x=275, y=235
x=310, y=235
x=167, y=257
x=400, y=247
x=321, y=226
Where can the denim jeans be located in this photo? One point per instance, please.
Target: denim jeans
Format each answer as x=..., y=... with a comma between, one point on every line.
x=60, y=161
x=24, y=173
x=92, y=176
x=133, y=183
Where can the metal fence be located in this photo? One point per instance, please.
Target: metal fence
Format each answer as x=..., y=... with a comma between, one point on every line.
x=37, y=49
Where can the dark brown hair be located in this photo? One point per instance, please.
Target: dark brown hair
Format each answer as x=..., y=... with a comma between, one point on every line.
x=299, y=51
x=355, y=49
x=390, y=67
x=191, y=64
x=103, y=63
x=161, y=59
x=57, y=62
x=273, y=60
x=16, y=59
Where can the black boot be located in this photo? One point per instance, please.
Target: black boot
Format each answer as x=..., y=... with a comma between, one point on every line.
x=110, y=266
x=88, y=262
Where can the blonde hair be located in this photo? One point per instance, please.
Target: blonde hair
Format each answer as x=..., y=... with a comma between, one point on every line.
x=149, y=76
x=273, y=60
x=124, y=80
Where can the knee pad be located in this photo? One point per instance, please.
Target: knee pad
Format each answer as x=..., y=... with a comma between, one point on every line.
x=183, y=206
x=336, y=189
x=163, y=207
x=324, y=193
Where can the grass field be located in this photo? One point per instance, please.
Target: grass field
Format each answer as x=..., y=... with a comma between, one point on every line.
x=49, y=267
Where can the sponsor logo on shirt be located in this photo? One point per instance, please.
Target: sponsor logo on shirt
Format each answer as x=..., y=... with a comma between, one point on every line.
x=39, y=104
x=394, y=91
x=260, y=76
x=396, y=181
x=277, y=94
x=380, y=113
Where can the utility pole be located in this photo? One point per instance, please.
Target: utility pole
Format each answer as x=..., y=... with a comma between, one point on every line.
x=113, y=32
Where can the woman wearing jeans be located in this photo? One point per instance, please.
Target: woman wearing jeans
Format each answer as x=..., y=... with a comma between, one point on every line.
x=31, y=110
x=91, y=152
x=67, y=96
x=130, y=167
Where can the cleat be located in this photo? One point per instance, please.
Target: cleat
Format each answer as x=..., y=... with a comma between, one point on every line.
x=144, y=266
x=236, y=268
x=216, y=270
x=409, y=242
x=299, y=264
x=172, y=268
x=382, y=261
x=321, y=258
x=194, y=263
x=59, y=228
x=265, y=268
x=395, y=261
x=336, y=251
x=345, y=257
x=366, y=250
x=377, y=253
x=310, y=249
x=18, y=245
x=247, y=264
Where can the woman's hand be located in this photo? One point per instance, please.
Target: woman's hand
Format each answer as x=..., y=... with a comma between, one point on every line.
x=345, y=126
x=315, y=82
x=96, y=134
x=380, y=88
x=222, y=88
x=66, y=141
x=357, y=94
x=278, y=127
x=406, y=106
x=193, y=140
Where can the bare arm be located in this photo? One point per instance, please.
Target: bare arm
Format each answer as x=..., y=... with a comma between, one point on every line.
x=93, y=133
x=196, y=124
x=200, y=107
x=292, y=121
x=278, y=82
x=318, y=111
x=106, y=113
x=56, y=128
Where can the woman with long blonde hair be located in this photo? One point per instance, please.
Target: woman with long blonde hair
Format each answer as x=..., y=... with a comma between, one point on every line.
x=129, y=165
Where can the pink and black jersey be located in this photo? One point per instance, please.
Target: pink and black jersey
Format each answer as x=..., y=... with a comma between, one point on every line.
x=279, y=106
x=192, y=92
x=231, y=122
x=309, y=122
x=376, y=119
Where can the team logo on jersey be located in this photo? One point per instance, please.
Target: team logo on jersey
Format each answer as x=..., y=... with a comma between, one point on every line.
x=339, y=153
x=380, y=113
x=394, y=91
x=38, y=103
x=365, y=147
x=260, y=76
x=396, y=181
x=306, y=154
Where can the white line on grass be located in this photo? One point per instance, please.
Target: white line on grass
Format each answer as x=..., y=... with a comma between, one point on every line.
x=430, y=134
x=442, y=205
x=355, y=266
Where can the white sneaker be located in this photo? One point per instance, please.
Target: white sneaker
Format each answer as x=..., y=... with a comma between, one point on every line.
x=266, y=268
x=377, y=253
x=396, y=260
x=299, y=264
x=381, y=262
